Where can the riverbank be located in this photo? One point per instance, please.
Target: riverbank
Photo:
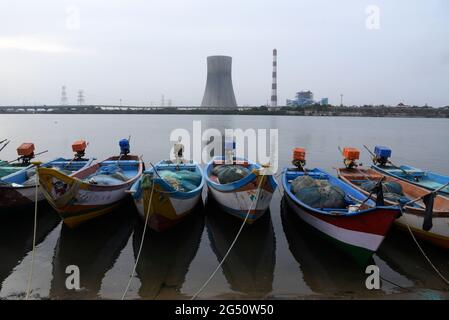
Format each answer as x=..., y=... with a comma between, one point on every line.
x=316, y=110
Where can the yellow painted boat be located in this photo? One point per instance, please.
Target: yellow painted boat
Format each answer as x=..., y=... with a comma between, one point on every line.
x=170, y=202
x=91, y=192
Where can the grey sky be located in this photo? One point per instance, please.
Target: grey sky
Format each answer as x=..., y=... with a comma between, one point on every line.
x=137, y=50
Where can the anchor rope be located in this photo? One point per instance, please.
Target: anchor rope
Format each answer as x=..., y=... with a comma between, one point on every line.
x=141, y=243
x=232, y=244
x=427, y=258
x=30, y=275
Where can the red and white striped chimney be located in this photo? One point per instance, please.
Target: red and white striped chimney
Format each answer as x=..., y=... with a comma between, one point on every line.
x=274, y=95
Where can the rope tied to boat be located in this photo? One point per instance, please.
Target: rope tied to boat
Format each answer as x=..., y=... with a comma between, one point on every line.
x=30, y=275
x=233, y=242
x=148, y=213
x=425, y=256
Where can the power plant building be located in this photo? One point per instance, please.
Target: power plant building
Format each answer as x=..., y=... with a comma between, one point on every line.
x=305, y=98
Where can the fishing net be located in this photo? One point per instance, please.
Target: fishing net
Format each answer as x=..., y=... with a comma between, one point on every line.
x=107, y=176
x=318, y=193
x=303, y=182
x=4, y=171
x=182, y=180
x=230, y=173
x=391, y=190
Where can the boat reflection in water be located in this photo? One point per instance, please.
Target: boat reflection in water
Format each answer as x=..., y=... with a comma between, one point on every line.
x=166, y=256
x=16, y=236
x=93, y=248
x=401, y=254
x=249, y=266
x=327, y=271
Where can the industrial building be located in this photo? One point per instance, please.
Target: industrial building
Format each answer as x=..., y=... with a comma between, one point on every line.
x=305, y=98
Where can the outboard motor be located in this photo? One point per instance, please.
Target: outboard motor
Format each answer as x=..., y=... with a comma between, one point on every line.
x=381, y=155
x=26, y=153
x=178, y=150
x=350, y=157
x=299, y=158
x=79, y=147
x=124, y=147
x=229, y=151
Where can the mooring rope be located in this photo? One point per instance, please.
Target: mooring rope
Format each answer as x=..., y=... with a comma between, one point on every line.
x=425, y=256
x=141, y=243
x=276, y=177
x=30, y=275
x=232, y=244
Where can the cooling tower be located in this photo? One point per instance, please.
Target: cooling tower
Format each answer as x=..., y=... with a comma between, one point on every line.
x=219, y=91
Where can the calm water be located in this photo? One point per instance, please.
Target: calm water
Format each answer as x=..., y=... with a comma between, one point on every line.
x=275, y=258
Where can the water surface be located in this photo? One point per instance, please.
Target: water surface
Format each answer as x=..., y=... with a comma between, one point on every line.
x=278, y=257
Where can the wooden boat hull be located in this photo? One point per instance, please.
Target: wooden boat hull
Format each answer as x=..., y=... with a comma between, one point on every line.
x=19, y=196
x=168, y=206
x=238, y=198
x=359, y=237
x=411, y=216
x=167, y=212
x=358, y=234
x=426, y=179
x=239, y=202
x=77, y=201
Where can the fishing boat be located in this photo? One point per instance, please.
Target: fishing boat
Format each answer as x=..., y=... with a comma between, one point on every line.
x=92, y=191
x=249, y=196
x=422, y=178
x=10, y=167
x=413, y=214
x=358, y=227
x=18, y=189
x=174, y=189
x=336, y=210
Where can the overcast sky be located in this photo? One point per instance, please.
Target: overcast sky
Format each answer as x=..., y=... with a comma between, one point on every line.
x=138, y=50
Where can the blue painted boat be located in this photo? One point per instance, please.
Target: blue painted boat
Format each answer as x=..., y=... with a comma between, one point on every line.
x=358, y=228
x=239, y=197
x=18, y=188
x=177, y=192
x=7, y=168
x=426, y=179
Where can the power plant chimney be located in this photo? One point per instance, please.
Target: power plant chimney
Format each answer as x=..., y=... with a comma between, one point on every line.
x=219, y=91
x=274, y=89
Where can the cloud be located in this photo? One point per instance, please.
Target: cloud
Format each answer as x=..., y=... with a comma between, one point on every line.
x=36, y=45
